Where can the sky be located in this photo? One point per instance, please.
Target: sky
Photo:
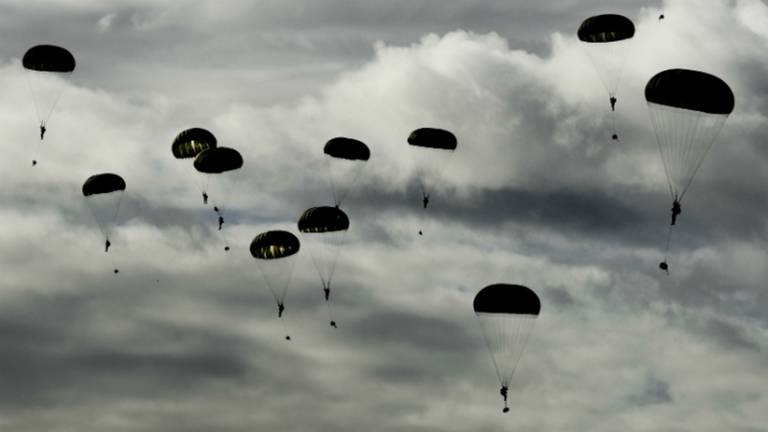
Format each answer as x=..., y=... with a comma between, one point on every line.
x=186, y=337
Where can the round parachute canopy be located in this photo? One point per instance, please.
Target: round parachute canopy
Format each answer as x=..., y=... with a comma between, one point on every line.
x=103, y=183
x=274, y=244
x=606, y=28
x=191, y=142
x=507, y=299
x=432, y=138
x=691, y=90
x=48, y=58
x=218, y=160
x=347, y=148
x=323, y=219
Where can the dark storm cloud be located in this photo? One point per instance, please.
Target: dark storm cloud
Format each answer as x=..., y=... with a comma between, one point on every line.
x=654, y=391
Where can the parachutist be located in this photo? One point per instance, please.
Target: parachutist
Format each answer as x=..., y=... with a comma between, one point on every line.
x=116, y=271
x=663, y=265
x=107, y=244
x=676, y=210
x=661, y=17
x=425, y=200
x=205, y=198
x=333, y=324
x=226, y=248
x=216, y=209
x=327, y=292
x=504, y=390
x=280, y=309
x=42, y=130
x=34, y=162
x=615, y=137
x=287, y=337
x=221, y=222
x=613, y=103
x=421, y=233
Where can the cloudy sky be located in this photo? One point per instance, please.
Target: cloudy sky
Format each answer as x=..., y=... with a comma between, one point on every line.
x=186, y=337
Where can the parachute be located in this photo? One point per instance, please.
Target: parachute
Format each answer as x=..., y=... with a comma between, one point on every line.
x=346, y=159
x=605, y=39
x=275, y=256
x=191, y=142
x=104, y=193
x=324, y=229
x=46, y=68
x=507, y=314
x=215, y=165
x=434, y=147
x=687, y=108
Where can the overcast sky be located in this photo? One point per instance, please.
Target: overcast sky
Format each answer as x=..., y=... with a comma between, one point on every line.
x=186, y=337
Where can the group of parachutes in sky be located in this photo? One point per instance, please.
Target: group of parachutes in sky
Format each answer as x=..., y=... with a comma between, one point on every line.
x=687, y=110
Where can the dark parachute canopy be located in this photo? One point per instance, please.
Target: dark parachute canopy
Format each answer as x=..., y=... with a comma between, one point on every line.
x=433, y=138
x=103, y=183
x=48, y=58
x=691, y=90
x=274, y=244
x=606, y=28
x=218, y=160
x=507, y=299
x=323, y=219
x=347, y=148
x=191, y=142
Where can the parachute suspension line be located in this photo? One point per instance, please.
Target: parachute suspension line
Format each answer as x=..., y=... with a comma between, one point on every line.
x=506, y=338
x=59, y=90
x=708, y=143
x=669, y=241
x=217, y=204
x=656, y=120
x=34, y=98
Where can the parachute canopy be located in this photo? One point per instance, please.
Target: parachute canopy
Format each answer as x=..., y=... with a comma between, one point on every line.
x=323, y=219
x=433, y=138
x=507, y=299
x=48, y=58
x=606, y=28
x=274, y=244
x=347, y=148
x=691, y=90
x=218, y=160
x=103, y=183
x=191, y=142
